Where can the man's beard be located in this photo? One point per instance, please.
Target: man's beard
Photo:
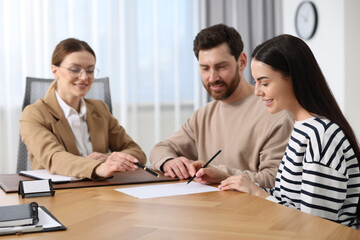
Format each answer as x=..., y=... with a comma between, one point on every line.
x=229, y=88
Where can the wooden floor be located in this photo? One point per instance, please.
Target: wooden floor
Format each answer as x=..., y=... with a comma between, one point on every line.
x=103, y=213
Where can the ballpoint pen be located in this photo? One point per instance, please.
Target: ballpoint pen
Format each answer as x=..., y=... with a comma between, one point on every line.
x=20, y=229
x=206, y=164
x=147, y=169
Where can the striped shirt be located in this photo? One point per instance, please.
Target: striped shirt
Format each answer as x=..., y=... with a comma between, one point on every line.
x=319, y=173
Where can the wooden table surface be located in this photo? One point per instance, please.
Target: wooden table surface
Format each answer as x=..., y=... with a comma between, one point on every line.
x=103, y=213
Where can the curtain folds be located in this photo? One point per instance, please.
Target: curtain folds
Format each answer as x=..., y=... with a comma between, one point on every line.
x=143, y=46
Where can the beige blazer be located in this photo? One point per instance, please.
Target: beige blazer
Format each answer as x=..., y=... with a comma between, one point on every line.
x=51, y=143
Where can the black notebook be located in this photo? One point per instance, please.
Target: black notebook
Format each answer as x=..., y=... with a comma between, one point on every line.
x=19, y=215
x=47, y=223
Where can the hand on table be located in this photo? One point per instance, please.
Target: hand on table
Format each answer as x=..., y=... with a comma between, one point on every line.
x=116, y=162
x=242, y=184
x=177, y=167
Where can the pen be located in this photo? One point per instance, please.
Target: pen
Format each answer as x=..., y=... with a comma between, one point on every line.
x=20, y=229
x=76, y=179
x=147, y=169
x=206, y=164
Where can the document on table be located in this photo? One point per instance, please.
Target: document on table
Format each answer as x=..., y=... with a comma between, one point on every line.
x=166, y=190
x=43, y=174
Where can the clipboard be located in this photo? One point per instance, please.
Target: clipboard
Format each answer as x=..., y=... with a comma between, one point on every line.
x=34, y=228
x=60, y=228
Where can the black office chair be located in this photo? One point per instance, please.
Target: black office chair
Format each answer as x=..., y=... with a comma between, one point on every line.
x=37, y=87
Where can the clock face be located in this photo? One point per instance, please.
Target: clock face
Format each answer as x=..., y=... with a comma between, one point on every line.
x=306, y=20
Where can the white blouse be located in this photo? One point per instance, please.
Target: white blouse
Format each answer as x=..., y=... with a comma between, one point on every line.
x=78, y=125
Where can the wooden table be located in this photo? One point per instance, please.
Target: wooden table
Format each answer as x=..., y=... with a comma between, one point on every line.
x=103, y=213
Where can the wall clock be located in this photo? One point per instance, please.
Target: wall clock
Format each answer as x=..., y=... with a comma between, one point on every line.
x=306, y=20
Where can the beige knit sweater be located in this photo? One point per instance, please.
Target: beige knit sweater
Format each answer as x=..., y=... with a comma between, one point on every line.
x=252, y=140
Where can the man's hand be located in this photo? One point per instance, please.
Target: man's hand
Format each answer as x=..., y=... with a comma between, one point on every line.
x=208, y=175
x=177, y=167
x=116, y=162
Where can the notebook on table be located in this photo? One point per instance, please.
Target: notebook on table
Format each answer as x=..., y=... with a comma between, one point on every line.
x=19, y=215
x=38, y=220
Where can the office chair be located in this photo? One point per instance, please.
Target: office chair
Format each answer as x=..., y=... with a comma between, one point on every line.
x=37, y=87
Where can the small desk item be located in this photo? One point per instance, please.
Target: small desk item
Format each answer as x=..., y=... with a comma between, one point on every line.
x=206, y=164
x=147, y=169
x=36, y=188
x=20, y=229
x=19, y=215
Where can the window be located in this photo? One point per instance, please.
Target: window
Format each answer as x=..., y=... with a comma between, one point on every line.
x=145, y=47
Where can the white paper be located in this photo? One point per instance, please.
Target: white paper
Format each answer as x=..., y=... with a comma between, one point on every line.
x=166, y=190
x=45, y=220
x=43, y=174
x=36, y=186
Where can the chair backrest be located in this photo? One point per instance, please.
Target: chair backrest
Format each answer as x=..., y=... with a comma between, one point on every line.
x=37, y=87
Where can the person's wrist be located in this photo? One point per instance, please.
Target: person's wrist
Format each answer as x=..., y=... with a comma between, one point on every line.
x=97, y=172
x=162, y=165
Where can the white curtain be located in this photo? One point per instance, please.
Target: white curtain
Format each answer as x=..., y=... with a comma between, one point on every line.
x=144, y=46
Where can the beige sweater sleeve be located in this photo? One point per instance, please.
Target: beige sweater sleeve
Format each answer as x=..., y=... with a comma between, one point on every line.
x=181, y=143
x=252, y=140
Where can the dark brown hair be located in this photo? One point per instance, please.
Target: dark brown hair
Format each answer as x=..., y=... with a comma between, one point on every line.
x=293, y=58
x=68, y=46
x=215, y=35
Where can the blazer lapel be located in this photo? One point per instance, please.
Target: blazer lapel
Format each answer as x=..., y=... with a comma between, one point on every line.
x=64, y=131
x=96, y=129
x=67, y=136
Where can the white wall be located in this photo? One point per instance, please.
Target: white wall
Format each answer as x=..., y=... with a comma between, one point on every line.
x=352, y=63
x=336, y=48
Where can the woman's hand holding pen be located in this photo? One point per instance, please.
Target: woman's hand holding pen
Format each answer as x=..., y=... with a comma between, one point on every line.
x=208, y=175
x=116, y=162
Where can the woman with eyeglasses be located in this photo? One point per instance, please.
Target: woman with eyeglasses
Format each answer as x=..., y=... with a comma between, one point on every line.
x=319, y=173
x=67, y=134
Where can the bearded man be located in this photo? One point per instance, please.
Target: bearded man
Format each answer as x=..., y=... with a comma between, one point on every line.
x=237, y=122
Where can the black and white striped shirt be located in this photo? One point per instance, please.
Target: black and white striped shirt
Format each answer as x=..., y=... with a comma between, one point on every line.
x=319, y=173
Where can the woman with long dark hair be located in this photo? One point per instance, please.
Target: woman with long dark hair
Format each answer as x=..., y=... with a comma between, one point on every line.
x=319, y=173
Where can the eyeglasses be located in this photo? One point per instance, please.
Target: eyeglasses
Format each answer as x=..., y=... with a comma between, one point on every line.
x=76, y=72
